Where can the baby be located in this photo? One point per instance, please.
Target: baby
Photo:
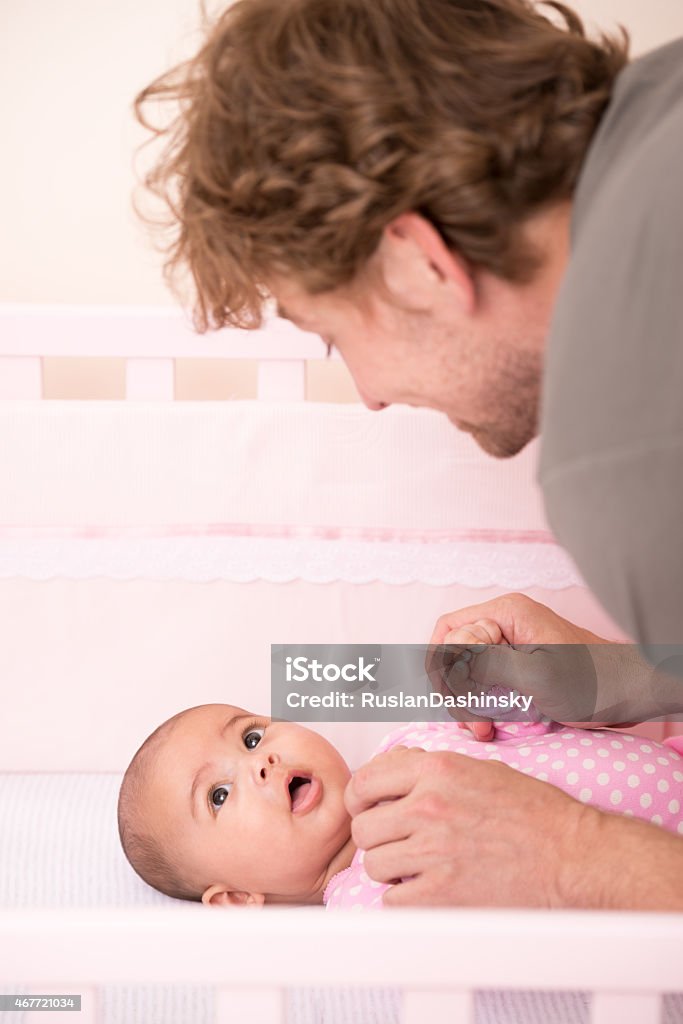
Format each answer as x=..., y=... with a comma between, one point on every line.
x=226, y=807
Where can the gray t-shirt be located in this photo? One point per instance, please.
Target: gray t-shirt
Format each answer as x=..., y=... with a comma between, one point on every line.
x=611, y=466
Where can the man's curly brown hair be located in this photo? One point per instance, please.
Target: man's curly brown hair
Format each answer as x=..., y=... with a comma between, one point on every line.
x=306, y=126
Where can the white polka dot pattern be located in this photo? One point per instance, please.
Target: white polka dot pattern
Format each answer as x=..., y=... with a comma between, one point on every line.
x=645, y=781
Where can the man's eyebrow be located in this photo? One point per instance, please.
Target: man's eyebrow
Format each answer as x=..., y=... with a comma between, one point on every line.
x=207, y=764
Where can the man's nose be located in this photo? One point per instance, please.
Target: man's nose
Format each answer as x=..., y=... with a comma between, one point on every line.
x=265, y=767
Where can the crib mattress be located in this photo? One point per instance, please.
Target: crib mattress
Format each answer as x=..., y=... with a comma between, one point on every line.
x=59, y=848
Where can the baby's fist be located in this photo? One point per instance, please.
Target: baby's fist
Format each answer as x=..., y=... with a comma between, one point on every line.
x=483, y=631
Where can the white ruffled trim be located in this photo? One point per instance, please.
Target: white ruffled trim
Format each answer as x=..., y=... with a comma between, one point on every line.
x=276, y=560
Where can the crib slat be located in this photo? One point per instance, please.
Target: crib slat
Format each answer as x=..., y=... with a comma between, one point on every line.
x=21, y=377
x=253, y=1005
x=282, y=380
x=625, y=1008
x=420, y=1005
x=150, y=379
x=90, y=1011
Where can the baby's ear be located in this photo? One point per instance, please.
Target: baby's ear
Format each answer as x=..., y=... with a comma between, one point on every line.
x=219, y=896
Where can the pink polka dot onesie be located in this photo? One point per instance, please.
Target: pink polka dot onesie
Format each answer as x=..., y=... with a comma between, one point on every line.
x=611, y=770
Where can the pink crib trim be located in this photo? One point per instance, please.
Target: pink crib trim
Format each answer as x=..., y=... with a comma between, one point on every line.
x=280, y=531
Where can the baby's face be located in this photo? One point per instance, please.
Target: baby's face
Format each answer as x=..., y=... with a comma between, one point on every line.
x=249, y=804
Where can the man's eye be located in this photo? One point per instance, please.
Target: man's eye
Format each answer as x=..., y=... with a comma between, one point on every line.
x=252, y=738
x=219, y=795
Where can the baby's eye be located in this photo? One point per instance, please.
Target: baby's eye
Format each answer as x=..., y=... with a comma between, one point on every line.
x=252, y=738
x=219, y=795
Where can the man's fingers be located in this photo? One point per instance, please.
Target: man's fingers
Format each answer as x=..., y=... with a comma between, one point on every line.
x=462, y=670
x=406, y=894
x=392, y=861
x=418, y=892
x=561, y=678
x=503, y=665
x=386, y=777
x=379, y=825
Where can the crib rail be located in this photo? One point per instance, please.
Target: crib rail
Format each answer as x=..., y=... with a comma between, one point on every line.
x=438, y=959
x=149, y=338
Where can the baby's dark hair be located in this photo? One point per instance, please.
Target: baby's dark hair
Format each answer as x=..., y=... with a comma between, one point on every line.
x=144, y=850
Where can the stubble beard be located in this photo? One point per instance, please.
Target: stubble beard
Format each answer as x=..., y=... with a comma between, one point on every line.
x=514, y=400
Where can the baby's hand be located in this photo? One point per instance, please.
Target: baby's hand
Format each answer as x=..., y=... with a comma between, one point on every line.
x=483, y=631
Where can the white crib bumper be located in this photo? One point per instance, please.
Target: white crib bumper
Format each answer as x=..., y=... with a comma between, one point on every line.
x=242, y=491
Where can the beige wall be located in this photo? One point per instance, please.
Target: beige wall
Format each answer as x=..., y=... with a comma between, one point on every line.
x=68, y=72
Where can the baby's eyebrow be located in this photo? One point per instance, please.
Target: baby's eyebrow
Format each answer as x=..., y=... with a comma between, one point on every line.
x=232, y=720
x=207, y=764
x=195, y=783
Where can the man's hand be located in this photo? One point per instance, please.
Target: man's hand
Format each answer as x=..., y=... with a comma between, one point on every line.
x=520, y=619
x=465, y=641
x=464, y=832
x=574, y=676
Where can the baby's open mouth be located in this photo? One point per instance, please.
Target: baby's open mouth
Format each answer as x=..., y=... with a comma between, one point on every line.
x=298, y=788
x=304, y=792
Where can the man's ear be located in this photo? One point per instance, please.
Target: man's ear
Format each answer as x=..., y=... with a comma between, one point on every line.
x=418, y=268
x=219, y=896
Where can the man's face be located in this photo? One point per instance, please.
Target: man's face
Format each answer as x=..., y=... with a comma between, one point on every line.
x=248, y=803
x=485, y=376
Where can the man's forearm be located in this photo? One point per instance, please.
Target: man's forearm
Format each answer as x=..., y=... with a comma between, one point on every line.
x=617, y=862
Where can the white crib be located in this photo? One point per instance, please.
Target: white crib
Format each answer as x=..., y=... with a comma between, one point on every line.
x=150, y=552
